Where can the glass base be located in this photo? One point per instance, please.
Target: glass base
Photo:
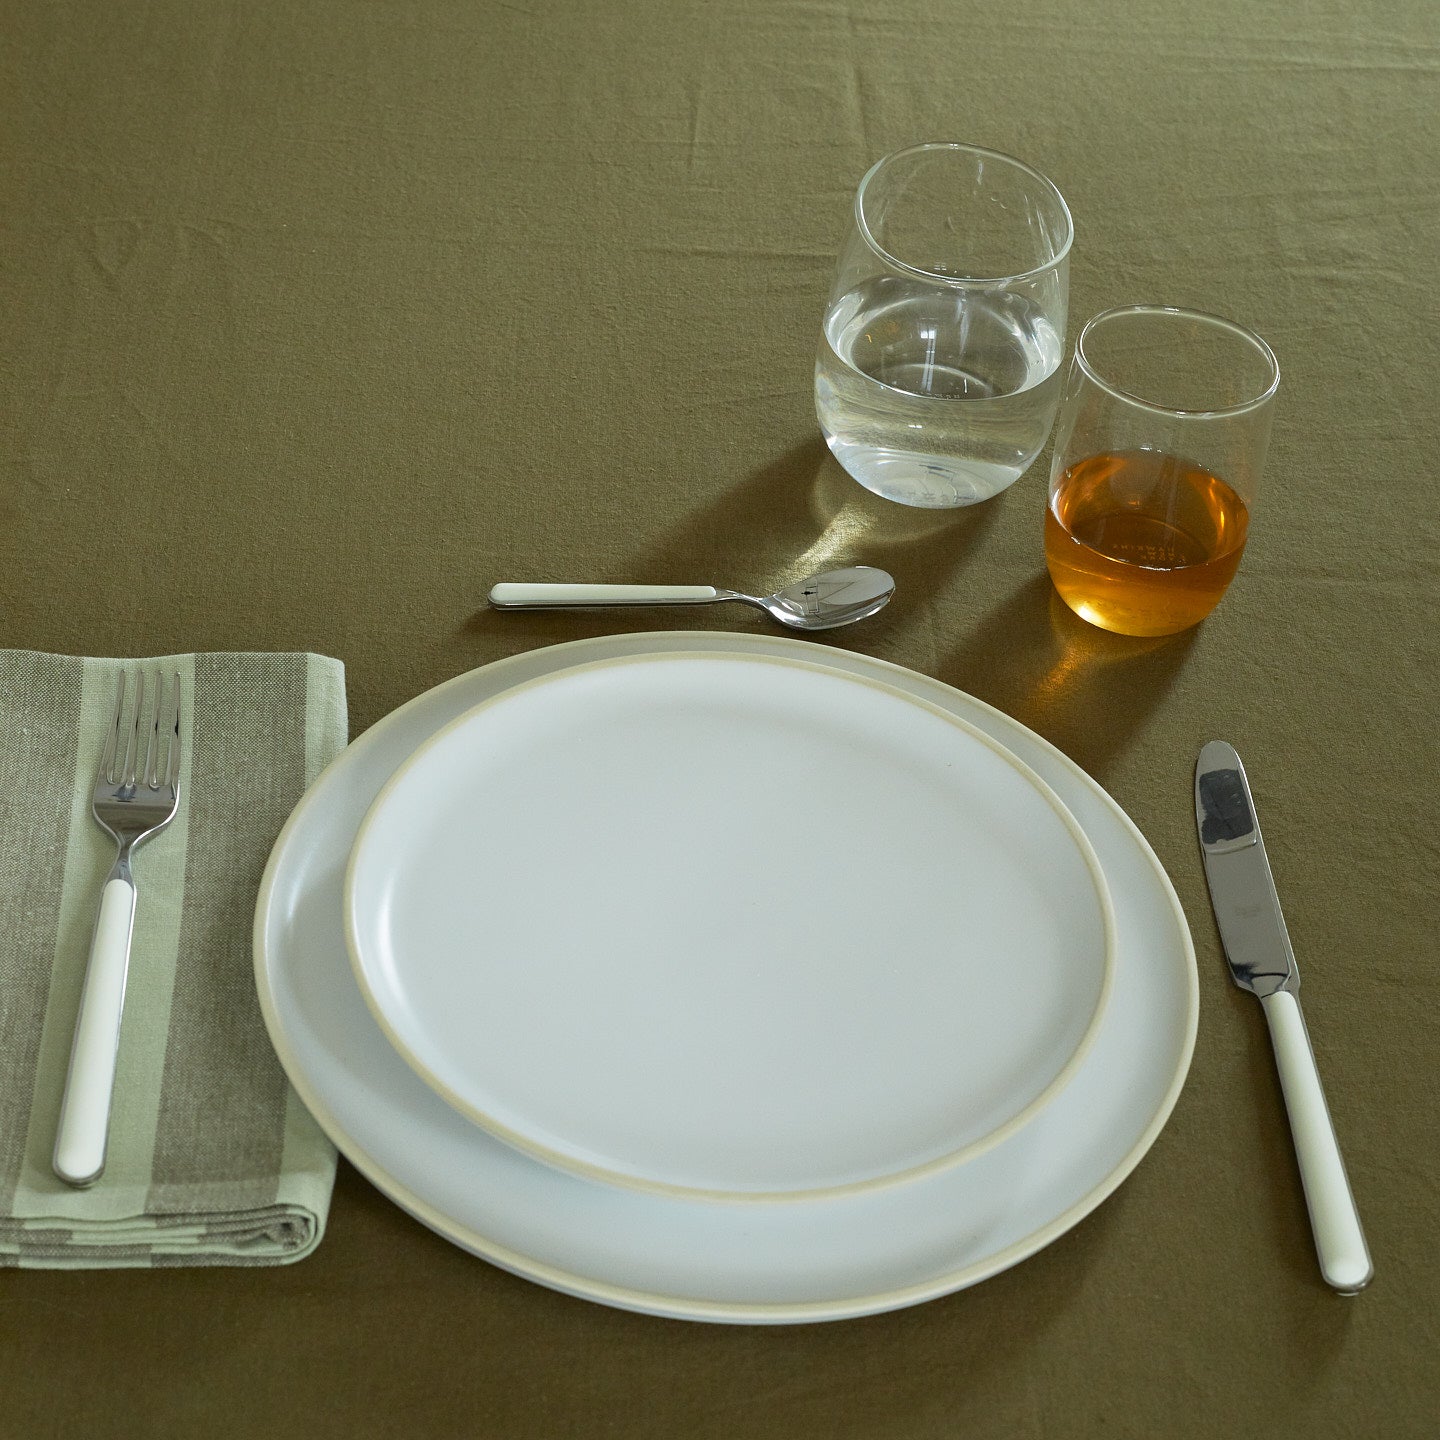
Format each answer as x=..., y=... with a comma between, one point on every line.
x=930, y=482
x=1131, y=619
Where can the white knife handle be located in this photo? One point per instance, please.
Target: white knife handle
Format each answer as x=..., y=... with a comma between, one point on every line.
x=1339, y=1241
x=552, y=597
x=85, y=1110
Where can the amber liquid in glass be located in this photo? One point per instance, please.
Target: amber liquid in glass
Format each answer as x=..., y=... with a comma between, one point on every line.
x=1141, y=542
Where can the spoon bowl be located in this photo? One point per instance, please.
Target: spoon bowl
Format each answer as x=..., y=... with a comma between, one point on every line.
x=834, y=597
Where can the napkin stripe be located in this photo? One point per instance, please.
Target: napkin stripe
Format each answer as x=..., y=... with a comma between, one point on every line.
x=231, y=1108
x=40, y=702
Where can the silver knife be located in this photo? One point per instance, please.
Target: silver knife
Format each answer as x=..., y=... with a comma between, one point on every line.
x=1257, y=945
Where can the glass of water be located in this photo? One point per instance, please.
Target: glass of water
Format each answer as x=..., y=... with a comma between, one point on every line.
x=938, y=373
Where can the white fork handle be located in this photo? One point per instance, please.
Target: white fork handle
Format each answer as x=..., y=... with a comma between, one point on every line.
x=1339, y=1240
x=85, y=1110
x=509, y=596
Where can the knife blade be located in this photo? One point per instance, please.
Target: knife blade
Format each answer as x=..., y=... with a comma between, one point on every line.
x=1257, y=946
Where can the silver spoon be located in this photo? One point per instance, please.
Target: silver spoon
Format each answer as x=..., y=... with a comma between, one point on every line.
x=834, y=597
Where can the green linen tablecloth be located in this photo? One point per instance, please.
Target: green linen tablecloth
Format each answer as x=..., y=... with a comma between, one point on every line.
x=322, y=316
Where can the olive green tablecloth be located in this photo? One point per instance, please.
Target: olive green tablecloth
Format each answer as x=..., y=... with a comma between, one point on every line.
x=321, y=316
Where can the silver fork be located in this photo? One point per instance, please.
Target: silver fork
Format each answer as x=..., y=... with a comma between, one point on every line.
x=136, y=795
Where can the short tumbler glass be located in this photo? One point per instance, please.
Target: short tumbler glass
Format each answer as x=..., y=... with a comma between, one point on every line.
x=1157, y=462
x=938, y=372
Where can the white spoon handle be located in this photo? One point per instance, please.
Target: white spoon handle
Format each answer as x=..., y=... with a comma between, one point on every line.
x=555, y=597
x=1339, y=1240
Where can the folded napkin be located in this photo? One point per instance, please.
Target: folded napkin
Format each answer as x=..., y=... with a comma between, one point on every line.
x=212, y=1159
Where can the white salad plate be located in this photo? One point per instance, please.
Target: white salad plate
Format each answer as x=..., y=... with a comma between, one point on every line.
x=855, y=1253
x=729, y=925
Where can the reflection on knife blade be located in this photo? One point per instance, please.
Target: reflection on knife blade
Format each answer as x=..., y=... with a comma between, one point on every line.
x=1225, y=808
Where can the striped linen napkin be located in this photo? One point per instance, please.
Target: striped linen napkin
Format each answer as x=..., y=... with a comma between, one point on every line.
x=212, y=1159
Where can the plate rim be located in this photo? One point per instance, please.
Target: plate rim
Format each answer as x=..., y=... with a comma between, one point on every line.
x=689, y=1307
x=654, y=1185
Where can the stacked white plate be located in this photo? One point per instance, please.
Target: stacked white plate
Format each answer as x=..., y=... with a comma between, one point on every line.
x=725, y=977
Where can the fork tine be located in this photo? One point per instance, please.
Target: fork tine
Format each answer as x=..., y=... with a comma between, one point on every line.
x=152, y=736
x=173, y=734
x=107, y=758
x=167, y=725
x=132, y=740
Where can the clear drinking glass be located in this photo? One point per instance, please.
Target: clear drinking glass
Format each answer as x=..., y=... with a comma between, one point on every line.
x=938, y=372
x=1157, y=462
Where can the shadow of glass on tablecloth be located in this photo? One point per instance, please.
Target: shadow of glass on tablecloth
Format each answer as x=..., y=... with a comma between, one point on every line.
x=793, y=517
x=1087, y=691
x=802, y=513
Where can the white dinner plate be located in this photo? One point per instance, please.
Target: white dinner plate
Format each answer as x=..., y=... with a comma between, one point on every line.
x=840, y=1256
x=729, y=924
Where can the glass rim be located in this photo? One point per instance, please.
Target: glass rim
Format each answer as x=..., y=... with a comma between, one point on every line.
x=1180, y=312
x=959, y=281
